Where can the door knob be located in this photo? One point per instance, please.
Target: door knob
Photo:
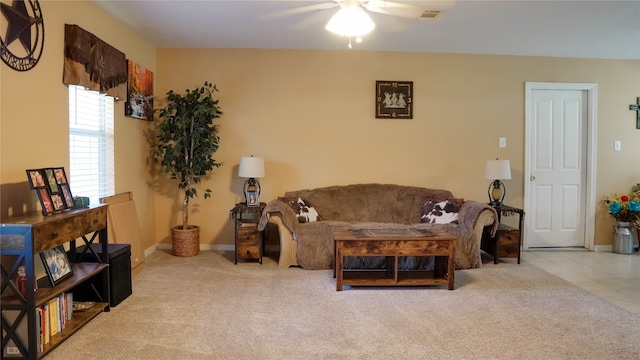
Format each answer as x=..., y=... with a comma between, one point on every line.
x=532, y=178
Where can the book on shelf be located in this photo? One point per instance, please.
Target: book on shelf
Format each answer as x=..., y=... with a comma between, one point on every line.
x=51, y=319
x=53, y=316
x=46, y=331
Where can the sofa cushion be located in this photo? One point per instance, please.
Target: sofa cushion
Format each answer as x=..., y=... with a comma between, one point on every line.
x=304, y=211
x=441, y=211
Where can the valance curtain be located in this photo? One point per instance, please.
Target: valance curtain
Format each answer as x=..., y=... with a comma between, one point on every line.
x=92, y=63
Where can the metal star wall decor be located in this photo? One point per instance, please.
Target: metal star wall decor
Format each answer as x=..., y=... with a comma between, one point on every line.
x=25, y=24
x=636, y=108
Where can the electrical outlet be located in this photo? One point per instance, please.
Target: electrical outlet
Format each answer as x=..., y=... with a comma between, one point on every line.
x=502, y=142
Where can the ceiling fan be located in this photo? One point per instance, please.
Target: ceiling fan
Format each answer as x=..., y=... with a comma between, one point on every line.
x=352, y=19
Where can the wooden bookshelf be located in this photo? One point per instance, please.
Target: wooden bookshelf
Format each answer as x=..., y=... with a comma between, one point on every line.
x=22, y=239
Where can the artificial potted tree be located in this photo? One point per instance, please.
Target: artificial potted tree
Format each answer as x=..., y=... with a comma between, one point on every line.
x=187, y=139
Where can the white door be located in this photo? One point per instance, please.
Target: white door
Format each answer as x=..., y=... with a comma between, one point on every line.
x=556, y=183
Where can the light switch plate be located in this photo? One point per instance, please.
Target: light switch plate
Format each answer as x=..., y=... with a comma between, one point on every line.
x=502, y=142
x=617, y=145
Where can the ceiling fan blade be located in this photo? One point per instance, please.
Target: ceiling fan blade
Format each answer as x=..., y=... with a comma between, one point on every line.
x=388, y=4
x=301, y=9
x=313, y=20
x=392, y=24
x=404, y=12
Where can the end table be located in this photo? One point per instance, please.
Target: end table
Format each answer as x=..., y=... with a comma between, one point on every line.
x=249, y=242
x=507, y=241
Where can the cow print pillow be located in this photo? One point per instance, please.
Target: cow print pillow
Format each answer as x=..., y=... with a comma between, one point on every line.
x=441, y=211
x=305, y=212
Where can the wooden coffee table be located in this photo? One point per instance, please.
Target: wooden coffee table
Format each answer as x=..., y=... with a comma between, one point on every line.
x=393, y=243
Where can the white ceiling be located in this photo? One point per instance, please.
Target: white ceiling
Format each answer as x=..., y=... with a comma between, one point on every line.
x=569, y=28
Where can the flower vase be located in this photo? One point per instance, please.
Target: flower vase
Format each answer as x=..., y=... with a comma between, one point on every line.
x=623, y=237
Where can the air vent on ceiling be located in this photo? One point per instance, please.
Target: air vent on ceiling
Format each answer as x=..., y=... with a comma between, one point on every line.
x=430, y=14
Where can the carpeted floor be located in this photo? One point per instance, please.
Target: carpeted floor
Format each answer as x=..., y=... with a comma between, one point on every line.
x=206, y=307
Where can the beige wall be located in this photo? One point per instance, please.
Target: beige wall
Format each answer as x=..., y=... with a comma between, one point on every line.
x=34, y=129
x=310, y=114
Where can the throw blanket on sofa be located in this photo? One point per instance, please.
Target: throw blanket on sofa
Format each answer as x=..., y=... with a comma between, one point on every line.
x=316, y=244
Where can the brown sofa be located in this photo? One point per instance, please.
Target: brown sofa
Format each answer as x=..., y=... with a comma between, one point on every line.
x=310, y=244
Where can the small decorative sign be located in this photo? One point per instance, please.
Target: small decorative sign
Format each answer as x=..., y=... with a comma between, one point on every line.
x=394, y=99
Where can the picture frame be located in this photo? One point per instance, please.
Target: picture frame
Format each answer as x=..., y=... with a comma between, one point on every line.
x=58, y=202
x=52, y=187
x=66, y=194
x=51, y=180
x=253, y=198
x=36, y=178
x=45, y=201
x=394, y=99
x=60, y=175
x=56, y=264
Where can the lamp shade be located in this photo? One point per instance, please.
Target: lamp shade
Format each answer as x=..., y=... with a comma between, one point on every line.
x=497, y=170
x=251, y=167
x=350, y=20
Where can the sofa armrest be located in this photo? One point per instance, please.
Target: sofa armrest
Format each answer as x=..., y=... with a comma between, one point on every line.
x=477, y=216
x=485, y=218
x=288, y=246
x=282, y=215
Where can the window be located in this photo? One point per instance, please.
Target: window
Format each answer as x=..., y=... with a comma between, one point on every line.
x=90, y=144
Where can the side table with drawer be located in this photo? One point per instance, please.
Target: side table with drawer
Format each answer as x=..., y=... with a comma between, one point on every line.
x=507, y=241
x=249, y=242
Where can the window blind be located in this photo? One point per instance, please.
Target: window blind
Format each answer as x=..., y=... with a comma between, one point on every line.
x=91, y=171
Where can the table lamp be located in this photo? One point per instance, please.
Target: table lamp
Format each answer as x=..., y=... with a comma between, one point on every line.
x=497, y=170
x=251, y=168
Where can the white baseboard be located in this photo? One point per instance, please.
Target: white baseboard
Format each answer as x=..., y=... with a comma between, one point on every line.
x=603, y=248
x=166, y=246
x=148, y=251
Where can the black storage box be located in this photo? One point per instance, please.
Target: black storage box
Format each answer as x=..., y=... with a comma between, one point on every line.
x=119, y=270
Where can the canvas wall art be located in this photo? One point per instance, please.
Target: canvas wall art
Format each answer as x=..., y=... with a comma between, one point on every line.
x=139, y=103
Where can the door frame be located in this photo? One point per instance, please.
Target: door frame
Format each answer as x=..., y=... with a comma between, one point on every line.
x=591, y=147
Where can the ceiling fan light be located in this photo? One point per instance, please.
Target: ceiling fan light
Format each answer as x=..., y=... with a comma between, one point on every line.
x=350, y=21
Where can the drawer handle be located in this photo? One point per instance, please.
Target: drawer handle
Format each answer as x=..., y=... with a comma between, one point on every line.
x=54, y=235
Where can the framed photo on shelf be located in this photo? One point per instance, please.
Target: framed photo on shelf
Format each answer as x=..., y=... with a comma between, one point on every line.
x=57, y=265
x=394, y=99
x=66, y=193
x=36, y=178
x=58, y=202
x=51, y=180
x=52, y=188
x=45, y=201
x=60, y=175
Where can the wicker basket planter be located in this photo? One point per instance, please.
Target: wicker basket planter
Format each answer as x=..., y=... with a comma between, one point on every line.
x=185, y=242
